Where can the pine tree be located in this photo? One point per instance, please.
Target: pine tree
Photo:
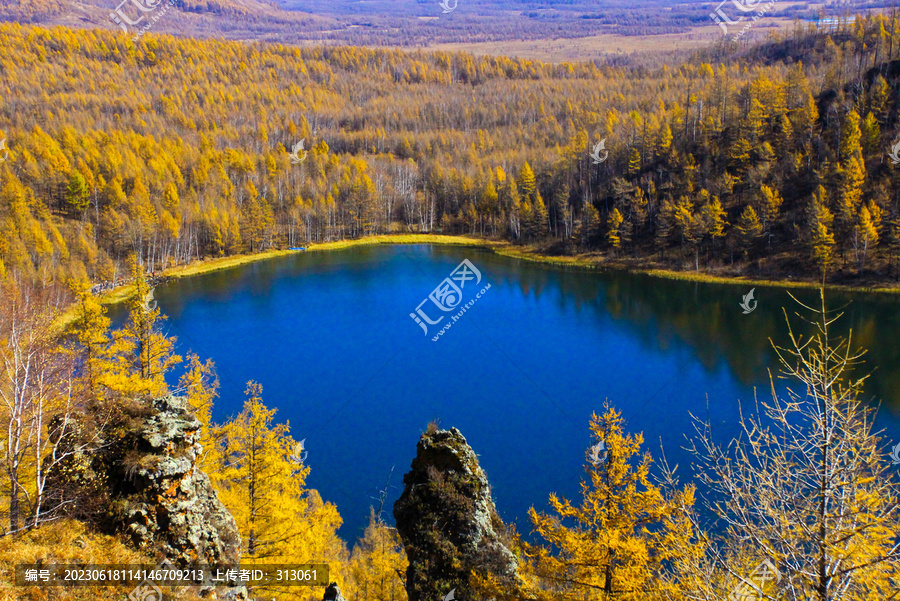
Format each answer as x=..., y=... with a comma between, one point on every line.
x=665, y=225
x=587, y=230
x=540, y=216
x=201, y=387
x=526, y=181
x=141, y=355
x=614, y=228
x=714, y=215
x=691, y=226
x=634, y=162
x=77, y=192
x=871, y=135
x=664, y=146
x=261, y=480
x=822, y=243
x=91, y=331
x=865, y=236
x=526, y=216
x=820, y=238
x=850, y=175
x=637, y=211
x=770, y=205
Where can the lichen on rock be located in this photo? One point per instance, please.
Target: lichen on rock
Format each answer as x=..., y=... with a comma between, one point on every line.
x=140, y=479
x=175, y=505
x=448, y=523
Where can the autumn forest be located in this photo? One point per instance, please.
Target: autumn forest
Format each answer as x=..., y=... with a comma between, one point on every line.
x=122, y=159
x=176, y=149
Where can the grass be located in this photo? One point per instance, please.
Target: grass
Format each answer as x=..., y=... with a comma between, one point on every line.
x=598, y=261
x=588, y=48
x=70, y=542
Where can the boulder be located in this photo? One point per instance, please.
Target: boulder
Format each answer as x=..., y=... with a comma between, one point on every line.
x=333, y=593
x=448, y=523
x=138, y=477
x=171, y=504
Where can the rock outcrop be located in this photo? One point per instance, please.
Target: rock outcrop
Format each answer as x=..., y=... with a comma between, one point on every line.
x=333, y=593
x=170, y=503
x=448, y=523
x=139, y=478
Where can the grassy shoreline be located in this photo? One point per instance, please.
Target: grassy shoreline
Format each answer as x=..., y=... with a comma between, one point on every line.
x=592, y=262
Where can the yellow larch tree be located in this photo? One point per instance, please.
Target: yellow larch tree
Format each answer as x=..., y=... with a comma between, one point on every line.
x=200, y=386
x=378, y=564
x=624, y=531
x=141, y=353
x=807, y=485
x=91, y=331
x=261, y=479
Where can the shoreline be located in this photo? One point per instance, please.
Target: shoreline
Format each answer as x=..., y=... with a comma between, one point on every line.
x=589, y=262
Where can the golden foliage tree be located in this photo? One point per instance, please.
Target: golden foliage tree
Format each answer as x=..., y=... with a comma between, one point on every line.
x=261, y=479
x=614, y=228
x=142, y=354
x=378, y=564
x=623, y=532
x=200, y=385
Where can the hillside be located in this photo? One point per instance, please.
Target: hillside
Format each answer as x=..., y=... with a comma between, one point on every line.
x=426, y=23
x=232, y=19
x=768, y=163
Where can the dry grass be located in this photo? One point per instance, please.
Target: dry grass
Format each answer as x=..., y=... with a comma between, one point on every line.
x=409, y=239
x=70, y=542
x=588, y=48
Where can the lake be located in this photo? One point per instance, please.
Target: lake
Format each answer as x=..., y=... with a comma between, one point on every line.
x=330, y=337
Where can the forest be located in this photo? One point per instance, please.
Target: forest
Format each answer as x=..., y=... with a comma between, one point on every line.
x=773, y=160
x=123, y=158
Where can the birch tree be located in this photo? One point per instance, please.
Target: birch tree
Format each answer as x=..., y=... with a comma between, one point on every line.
x=38, y=404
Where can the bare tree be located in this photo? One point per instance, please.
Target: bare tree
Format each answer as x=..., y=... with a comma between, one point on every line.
x=806, y=487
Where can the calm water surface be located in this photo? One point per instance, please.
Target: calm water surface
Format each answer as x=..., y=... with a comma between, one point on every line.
x=329, y=336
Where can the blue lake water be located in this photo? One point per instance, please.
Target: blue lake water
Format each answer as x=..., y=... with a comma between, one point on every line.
x=330, y=337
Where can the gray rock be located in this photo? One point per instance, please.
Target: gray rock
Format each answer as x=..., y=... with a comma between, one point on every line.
x=333, y=593
x=448, y=523
x=141, y=479
x=173, y=506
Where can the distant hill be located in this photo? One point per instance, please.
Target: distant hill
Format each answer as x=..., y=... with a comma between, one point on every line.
x=233, y=19
x=402, y=23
